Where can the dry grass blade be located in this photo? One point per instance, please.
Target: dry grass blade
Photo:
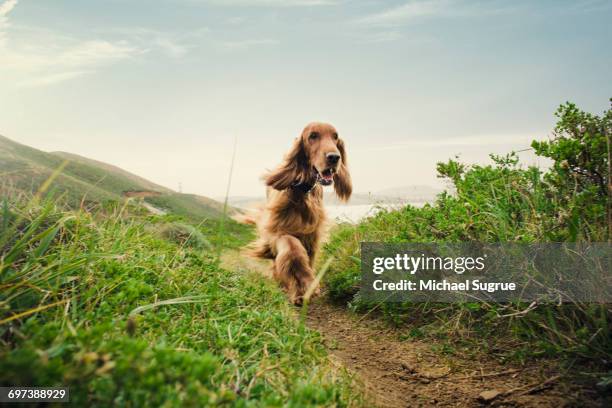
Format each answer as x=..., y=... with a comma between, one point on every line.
x=32, y=311
x=176, y=301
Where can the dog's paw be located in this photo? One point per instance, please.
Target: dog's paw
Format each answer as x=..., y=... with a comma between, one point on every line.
x=297, y=300
x=300, y=298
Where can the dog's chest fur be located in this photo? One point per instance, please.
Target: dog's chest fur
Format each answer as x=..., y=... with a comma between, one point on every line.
x=298, y=214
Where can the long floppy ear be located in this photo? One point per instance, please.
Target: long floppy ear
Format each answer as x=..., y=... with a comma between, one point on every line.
x=293, y=170
x=342, y=178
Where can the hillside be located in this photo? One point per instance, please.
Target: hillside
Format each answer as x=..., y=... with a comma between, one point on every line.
x=142, y=183
x=24, y=169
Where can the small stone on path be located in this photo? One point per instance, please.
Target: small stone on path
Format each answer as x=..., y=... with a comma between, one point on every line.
x=489, y=395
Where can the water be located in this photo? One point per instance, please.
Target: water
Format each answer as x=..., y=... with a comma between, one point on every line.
x=354, y=213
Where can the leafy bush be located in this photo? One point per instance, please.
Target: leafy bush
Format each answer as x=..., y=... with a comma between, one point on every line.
x=580, y=150
x=580, y=177
x=501, y=202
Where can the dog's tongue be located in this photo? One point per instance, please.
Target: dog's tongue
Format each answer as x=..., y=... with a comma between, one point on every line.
x=327, y=175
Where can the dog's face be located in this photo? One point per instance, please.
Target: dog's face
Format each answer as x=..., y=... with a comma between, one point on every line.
x=320, y=141
x=318, y=155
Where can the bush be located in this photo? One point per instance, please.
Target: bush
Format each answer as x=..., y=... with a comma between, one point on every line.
x=501, y=202
x=580, y=177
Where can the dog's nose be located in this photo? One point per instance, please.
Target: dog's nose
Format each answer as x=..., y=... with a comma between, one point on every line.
x=332, y=158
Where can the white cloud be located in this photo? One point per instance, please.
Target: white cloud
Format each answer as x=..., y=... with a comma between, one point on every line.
x=385, y=25
x=272, y=3
x=50, y=79
x=172, y=44
x=97, y=52
x=406, y=12
x=420, y=9
x=249, y=43
x=170, y=47
x=486, y=140
x=383, y=36
x=40, y=58
x=76, y=55
x=588, y=6
x=5, y=9
x=236, y=20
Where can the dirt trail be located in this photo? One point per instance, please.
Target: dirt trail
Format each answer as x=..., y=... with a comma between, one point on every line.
x=408, y=373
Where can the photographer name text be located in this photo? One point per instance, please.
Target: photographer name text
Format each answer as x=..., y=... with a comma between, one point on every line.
x=443, y=285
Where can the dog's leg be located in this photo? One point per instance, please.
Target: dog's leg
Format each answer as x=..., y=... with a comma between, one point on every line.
x=292, y=268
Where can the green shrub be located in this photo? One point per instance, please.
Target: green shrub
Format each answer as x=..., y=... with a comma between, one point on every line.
x=501, y=202
x=580, y=176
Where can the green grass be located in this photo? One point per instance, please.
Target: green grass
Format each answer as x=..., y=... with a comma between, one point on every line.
x=190, y=206
x=103, y=304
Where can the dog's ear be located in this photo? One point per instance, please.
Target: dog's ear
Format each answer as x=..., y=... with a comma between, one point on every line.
x=293, y=170
x=342, y=178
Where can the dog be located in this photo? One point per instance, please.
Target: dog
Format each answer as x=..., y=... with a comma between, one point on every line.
x=291, y=224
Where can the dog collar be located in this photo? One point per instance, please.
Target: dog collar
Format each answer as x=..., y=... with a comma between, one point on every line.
x=303, y=187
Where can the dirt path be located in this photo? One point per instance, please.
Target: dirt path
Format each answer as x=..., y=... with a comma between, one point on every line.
x=408, y=373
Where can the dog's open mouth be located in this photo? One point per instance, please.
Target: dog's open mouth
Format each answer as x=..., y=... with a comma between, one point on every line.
x=326, y=177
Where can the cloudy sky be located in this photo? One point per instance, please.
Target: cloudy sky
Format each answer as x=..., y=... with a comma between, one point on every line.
x=162, y=88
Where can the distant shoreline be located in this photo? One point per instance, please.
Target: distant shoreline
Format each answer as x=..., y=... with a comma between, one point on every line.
x=355, y=213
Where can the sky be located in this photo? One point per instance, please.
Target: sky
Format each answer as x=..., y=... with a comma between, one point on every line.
x=163, y=88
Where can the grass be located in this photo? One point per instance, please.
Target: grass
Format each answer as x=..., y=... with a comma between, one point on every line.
x=190, y=206
x=102, y=303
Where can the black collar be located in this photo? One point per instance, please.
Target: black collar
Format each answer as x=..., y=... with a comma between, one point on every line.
x=303, y=187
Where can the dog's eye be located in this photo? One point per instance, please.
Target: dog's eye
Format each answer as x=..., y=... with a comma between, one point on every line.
x=313, y=136
x=335, y=136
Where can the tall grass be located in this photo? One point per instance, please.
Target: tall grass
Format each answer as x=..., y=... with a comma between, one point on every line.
x=100, y=303
x=227, y=190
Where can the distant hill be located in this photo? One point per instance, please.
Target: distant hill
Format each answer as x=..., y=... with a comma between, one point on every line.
x=115, y=171
x=23, y=168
